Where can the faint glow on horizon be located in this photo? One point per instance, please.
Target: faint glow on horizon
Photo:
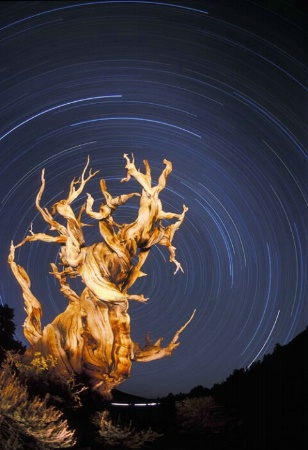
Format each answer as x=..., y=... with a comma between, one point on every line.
x=136, y=404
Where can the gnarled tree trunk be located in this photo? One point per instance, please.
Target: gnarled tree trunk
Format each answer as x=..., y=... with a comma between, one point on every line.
x=92, y=336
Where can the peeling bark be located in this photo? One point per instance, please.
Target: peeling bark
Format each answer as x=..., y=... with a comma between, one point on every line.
x=92, y=336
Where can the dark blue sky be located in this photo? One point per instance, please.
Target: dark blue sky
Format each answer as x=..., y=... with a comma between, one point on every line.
x=217, y=87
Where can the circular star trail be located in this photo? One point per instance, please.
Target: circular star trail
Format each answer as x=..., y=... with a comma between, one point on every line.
x=219, y=90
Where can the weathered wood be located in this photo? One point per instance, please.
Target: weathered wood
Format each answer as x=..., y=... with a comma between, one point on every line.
x=92, y=336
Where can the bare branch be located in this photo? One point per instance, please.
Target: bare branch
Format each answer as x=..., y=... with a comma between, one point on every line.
x=177, y=334
x=151, y=352
x=74, y=193
x=54, y=225
x=32, y=324
x=144, y=180
x=167, y=238
x=42, y=237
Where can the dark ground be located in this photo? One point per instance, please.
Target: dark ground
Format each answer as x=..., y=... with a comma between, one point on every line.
x=265, y=407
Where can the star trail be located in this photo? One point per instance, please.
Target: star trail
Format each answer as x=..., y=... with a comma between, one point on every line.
x=219, y=89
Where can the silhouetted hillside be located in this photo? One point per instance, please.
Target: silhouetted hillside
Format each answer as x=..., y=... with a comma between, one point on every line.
x=123, y=397
x=271, y=397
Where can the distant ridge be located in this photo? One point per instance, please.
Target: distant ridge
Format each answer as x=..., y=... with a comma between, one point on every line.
x=123, y=397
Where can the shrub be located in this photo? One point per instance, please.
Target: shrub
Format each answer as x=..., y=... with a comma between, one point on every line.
x=200, y=414
x=122, y=436
x=42, y=377
x=28, y=421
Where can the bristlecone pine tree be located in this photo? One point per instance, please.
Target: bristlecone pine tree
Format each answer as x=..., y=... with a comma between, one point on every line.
x=91, y=338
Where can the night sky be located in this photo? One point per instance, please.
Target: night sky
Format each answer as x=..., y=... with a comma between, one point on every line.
x=217, y=87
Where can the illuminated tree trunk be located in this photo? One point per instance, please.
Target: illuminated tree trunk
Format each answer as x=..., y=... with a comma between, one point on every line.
x=92, y=336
